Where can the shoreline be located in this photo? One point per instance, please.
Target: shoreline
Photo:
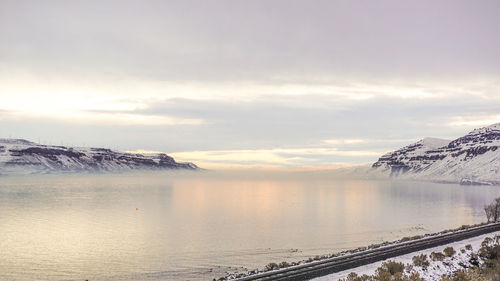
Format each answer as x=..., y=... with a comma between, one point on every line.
x=272, y=268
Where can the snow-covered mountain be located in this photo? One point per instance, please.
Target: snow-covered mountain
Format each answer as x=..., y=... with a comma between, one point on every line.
x=22, y=156
x=471, y=159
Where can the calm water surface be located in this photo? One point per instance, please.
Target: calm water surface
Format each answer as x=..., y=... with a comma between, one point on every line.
x=166, y=226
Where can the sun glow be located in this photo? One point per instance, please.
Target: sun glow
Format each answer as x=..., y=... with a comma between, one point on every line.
x=475, y=120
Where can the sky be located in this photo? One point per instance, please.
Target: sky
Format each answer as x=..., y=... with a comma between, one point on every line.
x=275, y=84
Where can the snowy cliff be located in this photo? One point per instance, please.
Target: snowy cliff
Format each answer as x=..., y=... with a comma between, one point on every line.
x=471, y=159
x=22, y=156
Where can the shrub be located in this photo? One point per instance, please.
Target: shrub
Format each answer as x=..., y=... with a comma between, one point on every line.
x=436, y=256
x=463, y=227
x=271, y=266
x=283, y=264
x=466, y=275
x=449, y=251
x=354, y=277
x=461, y=275
x=487, y=241
x=489, y=250
x=420, y=260
x=468, y=247
x=351, y=277
x=414, y=277
x=492, y=270
x=404, y=239
x=474, y=260
x=391, y=271
x=391, y=267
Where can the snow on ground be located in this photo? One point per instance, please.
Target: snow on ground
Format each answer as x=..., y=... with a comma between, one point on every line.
x=436, y=268
x=434, y=142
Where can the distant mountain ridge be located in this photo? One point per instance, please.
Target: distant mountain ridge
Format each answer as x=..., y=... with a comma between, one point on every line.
x=22, y=156
x=471, y=159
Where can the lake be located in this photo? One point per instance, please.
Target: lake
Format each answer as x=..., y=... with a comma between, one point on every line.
x=199, y=225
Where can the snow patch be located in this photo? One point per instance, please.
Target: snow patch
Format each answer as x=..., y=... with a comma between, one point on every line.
x=434, y=271
x=434, y=142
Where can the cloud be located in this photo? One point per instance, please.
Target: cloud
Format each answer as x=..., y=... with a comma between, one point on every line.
x=291, y=82
x=344, y=141
x=239, y=41
x=292, y=132
x=93, y=117
x=281, y=157
x=484, y=120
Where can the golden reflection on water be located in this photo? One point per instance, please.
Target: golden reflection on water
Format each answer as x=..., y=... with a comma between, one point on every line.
x=88, y=227
x=239, y=199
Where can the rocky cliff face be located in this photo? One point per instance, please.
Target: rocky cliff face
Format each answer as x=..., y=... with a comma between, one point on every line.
x=17, y=155
x=473, y=158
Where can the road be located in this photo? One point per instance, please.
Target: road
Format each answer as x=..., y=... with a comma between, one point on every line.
x=336, y=264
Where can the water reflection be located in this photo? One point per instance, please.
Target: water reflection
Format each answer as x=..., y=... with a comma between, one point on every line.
x=159, y=226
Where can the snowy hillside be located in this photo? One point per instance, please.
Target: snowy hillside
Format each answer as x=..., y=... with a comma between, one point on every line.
x=471, y=159
x=22, y=156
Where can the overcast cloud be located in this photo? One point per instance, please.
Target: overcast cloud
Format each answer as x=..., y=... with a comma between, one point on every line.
x=249, y=83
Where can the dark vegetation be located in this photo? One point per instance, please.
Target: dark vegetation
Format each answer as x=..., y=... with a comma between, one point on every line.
x=421, y=260
x=449, y=251
x=437, y=256
x=492, y=211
